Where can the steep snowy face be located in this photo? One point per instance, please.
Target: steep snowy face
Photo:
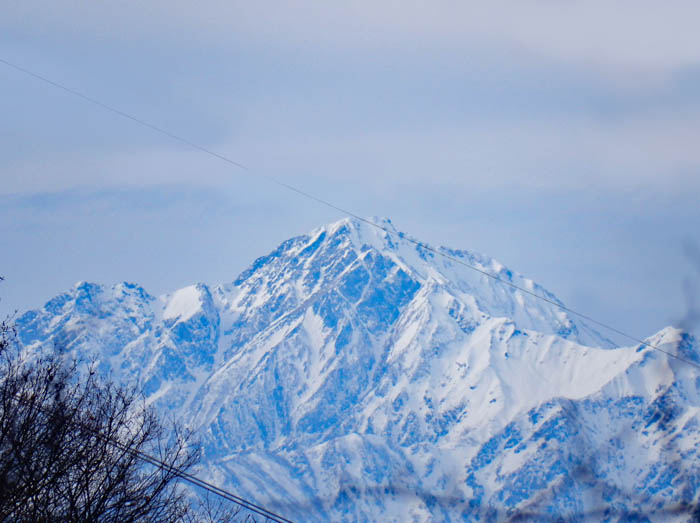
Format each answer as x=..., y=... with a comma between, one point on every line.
x=348, y=298
x=351, y=255
x=351, y=374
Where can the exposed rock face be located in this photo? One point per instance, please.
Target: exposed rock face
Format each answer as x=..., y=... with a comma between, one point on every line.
x=349, y=375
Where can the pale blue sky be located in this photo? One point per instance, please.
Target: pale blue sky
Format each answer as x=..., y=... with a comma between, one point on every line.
x=559, y=138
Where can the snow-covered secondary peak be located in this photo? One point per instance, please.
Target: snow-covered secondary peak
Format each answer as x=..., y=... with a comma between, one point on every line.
x=355, y=373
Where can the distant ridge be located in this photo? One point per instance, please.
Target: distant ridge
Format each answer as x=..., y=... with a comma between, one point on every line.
x=348, y=376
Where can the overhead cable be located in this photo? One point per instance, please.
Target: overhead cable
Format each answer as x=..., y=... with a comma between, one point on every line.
x=179, y=472
x=331, y=205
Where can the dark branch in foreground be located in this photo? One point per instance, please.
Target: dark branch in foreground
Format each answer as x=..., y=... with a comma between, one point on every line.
x=56, y=459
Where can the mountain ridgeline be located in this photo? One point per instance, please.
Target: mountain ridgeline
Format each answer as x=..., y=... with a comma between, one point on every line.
x=350, y=375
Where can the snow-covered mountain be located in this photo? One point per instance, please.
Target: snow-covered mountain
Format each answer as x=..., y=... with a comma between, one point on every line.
x=350, y=375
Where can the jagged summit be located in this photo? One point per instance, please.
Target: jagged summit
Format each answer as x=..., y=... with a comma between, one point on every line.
x=350, y=246
x=350, y=374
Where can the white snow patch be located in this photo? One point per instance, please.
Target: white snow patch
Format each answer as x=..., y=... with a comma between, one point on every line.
x=183, y=304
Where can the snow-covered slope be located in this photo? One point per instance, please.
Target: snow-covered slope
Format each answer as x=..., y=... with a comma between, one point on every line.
x=352, y=375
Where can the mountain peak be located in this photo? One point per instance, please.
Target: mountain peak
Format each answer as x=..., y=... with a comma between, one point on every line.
x=360, y=224
x=334, y=251
x=349, y=364
x=375, y=231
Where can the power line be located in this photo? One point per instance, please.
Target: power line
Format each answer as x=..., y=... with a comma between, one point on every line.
x=678, y=509
x=340, y=209
x=156, y=462
x=194, y=480
x=206, y=485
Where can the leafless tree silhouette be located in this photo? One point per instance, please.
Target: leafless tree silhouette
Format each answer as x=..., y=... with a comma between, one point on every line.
x=69, y=446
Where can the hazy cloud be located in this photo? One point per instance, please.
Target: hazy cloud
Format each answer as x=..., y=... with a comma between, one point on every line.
x=557, y=136
x=646, y=35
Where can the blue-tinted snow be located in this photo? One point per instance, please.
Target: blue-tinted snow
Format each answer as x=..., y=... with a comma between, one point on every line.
x=349, y=375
